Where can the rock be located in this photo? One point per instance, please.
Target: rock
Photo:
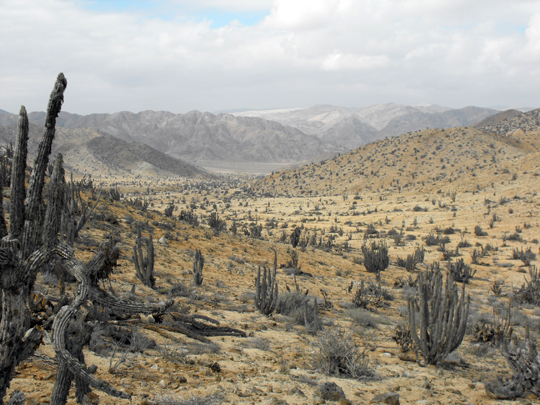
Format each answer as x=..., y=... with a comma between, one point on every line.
x=390, y=398
x=162, y=384
x=163, y=241
x=330, y=391
x=182, y=379
x=91, y=399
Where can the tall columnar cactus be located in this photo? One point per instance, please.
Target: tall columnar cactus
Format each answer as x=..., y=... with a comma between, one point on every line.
x=443, y=317
x=144, y=266
x=198, y=264
x=266, y=297
x=31, y=242
x=76, y=211
x=21, y=251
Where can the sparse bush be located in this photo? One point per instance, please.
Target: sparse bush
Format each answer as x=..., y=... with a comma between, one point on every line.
x=169, y=210
x=370, y=294
x=189, y=217
x=301, y=309
x=403, y=338
x=460, y=271
x=516, y=237
x=526, y=256
x=362, y=318
x=435, y=240
x=529, y=292
x=337, y=354
x=478, y=231
x=215, y=223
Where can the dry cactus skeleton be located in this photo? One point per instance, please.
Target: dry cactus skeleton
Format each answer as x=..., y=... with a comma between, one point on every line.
x=31, y=242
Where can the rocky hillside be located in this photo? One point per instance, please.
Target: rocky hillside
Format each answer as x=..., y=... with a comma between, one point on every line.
x=527, y=122
x=200, y=136
x=495, y=119
x=456, y=158
x=91, y=151
x=351, y=128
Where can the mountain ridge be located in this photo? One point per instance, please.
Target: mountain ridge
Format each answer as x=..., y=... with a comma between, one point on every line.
x=359, y=126
x=200, y=135
x=87, y=150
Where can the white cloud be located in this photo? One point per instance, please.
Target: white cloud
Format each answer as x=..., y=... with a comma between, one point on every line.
x=343, y=52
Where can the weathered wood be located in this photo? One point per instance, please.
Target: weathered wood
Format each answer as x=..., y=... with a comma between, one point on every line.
x=179, y=329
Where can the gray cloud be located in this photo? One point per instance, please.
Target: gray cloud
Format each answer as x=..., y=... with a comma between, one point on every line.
x=342, y=52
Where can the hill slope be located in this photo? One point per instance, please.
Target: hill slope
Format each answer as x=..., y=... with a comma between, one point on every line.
x=452, y=159
x=495, y=119
x=526, y=122
x=91, y=151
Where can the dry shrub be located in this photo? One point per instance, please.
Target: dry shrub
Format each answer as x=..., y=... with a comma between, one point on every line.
x=336, y=353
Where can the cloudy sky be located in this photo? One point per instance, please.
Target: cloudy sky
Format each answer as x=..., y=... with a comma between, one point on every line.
x=211, y=55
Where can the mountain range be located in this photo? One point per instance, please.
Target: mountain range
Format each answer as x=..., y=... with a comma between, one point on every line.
x=198, y=136
x=354, y=127
x=281, y=136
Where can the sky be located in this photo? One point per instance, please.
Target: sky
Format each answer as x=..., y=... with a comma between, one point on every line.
x=221, y=55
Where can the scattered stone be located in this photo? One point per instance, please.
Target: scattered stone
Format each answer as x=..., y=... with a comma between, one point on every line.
x=215, y=367
x=162, y=384
x=162, y=241
x=330, y=391
x=91, y=399
x=182, y=379
x=390, y=398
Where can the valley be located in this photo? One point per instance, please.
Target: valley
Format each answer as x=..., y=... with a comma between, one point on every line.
x=464, y=195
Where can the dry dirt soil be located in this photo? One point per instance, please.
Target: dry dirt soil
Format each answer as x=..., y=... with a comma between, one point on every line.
x=275, y=362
